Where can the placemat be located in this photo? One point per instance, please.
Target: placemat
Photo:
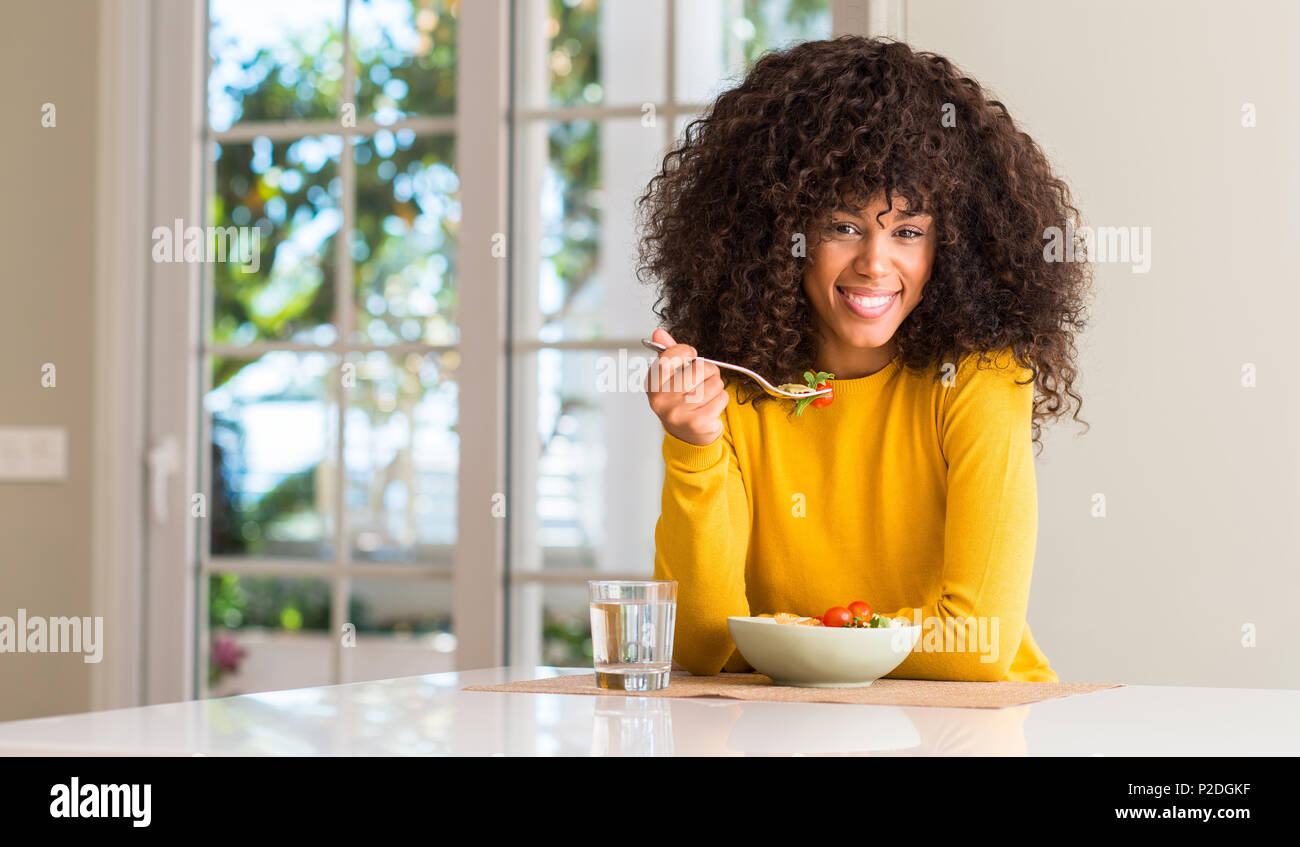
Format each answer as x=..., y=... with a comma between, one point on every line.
x=883, y=692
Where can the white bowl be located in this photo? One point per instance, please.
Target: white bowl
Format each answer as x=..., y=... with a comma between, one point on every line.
x=819, y=656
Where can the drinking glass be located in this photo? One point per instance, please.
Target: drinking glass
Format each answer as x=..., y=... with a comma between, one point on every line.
x=632, y=625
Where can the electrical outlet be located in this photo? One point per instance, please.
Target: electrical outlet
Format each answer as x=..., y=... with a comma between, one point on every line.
x=33, y=454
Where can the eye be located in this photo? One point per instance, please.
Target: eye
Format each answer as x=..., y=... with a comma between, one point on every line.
x=839, y=228
x=915, y=233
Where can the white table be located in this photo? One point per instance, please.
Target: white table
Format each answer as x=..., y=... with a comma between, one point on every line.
x=431, y=715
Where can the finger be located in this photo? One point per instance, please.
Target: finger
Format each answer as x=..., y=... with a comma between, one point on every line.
x=709, y=411
x=668, y=365
x=691, y=375
x=706, y=390
x=695, y=375
x=662, y=336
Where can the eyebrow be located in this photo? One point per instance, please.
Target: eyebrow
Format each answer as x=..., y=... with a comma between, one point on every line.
x=902, y=213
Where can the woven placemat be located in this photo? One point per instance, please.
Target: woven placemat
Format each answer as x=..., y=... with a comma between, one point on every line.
x=882, y=692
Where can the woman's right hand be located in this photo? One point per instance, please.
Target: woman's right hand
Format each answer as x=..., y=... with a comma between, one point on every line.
x=686, y=394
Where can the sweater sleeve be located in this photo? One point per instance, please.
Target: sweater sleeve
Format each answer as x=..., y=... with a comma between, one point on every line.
x=990, y=530
x=701, y=541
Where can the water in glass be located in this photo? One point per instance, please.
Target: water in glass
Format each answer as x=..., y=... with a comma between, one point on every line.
x=632, y=639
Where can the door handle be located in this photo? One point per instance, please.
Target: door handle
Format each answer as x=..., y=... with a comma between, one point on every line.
x=162, y=460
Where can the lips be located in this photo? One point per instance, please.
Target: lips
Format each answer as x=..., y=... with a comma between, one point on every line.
x=874, y=306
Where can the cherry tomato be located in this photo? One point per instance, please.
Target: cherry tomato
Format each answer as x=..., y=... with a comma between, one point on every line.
x=860, y=610
x=837, y=616
x=825, y=400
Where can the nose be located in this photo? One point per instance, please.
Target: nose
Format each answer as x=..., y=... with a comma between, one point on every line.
x=871, y=259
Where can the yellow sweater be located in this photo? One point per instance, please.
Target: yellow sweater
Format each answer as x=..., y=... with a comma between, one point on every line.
x=912, y=495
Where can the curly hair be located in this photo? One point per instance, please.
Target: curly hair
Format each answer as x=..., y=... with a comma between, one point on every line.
x=824, y=122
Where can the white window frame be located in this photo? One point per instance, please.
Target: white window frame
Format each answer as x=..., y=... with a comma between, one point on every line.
x=121, y=168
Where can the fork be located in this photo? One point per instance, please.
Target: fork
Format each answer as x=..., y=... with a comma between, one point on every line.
x=767, y=386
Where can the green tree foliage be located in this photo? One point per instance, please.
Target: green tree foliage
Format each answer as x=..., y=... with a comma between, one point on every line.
x=406, y=211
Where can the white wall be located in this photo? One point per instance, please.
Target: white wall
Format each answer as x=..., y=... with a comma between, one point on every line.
x=1139, y=106
x=48, y=54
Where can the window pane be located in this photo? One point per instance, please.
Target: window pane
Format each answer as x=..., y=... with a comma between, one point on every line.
x=274, y=61
x=577, y=243
x=404, y=245
x=403, y=628
x=551, y=625
x=402, y=455
x=717, y=40
x=588, y=53
x=273, y=422
x=290, y=192
x=591, y=507
x=267, y=633
x=680, y=124
x=405, y=58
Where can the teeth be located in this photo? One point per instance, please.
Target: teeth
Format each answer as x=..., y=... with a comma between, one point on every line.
x=869, y=302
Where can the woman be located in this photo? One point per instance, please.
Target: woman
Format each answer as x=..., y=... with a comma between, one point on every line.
x=857, y=208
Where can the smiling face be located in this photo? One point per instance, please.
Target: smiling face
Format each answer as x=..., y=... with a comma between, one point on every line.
x=863, y=278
